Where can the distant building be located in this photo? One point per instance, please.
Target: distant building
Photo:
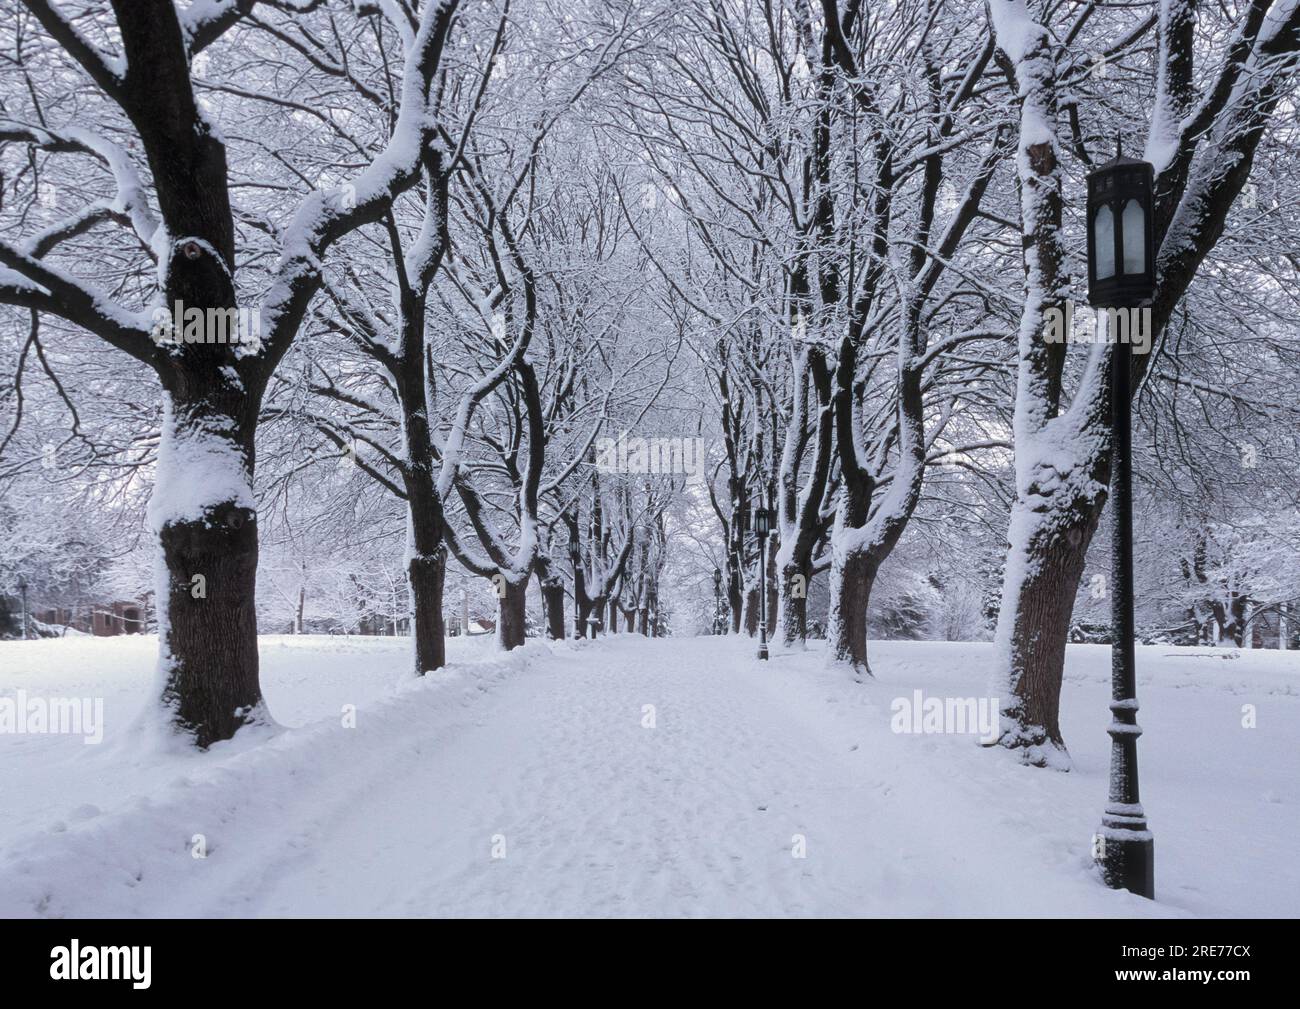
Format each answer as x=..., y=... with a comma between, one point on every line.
x=103, y=621
x=477, y=625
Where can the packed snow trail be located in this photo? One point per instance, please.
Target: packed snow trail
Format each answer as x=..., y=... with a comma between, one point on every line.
x=640, y=779
x=630, y=778
x=624, y=777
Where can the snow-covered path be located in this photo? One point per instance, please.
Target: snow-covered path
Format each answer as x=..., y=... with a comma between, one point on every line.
x=641, y=780
x=633, y=777
x=596, y=813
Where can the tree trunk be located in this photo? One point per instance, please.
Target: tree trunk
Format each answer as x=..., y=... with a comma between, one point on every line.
x=207, y=611
x=735, y=604
x=1034, y=626
x=773, y=595
x=553, y=603
x=793, y=604
x=751, y=611
x=426, y=566
x=851, y=579
x=512, y=611
x=425, y=574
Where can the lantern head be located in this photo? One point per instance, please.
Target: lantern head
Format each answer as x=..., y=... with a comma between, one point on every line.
x=762, y=521
x=1121, y=253
x=717, y=579
x=575, y=552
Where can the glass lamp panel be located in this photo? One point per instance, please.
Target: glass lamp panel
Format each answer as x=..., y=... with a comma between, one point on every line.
x=1103, y=243
x=1134, y=237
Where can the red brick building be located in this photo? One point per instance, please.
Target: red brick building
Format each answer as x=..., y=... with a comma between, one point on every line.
x=104, y=620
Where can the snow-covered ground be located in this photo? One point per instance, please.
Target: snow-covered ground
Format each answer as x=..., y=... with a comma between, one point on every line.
x=534, y=784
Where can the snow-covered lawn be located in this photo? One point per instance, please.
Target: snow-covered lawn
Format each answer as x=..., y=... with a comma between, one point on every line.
x=531, y=784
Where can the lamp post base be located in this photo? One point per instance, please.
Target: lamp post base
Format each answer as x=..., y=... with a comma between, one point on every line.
x=1127, y=862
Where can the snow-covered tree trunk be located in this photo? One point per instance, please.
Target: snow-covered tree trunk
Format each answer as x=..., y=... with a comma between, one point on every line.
x=735, y=603
x=751, y=608
x=203, y=513
x=582, y=607
x=1060, y=473
x=850, y=589
x=552, y=587
x=426, y=563
x=869, y=524
x=512, y=611
x=426, y=572
x=800, y=511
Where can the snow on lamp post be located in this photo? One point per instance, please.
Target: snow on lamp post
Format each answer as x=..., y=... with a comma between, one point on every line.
x=764, y=519
x=717, y=600
x=1121, y=276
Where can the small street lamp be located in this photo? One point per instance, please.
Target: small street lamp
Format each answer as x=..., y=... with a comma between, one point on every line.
x=764, y=519
x=717, y=600
x=1121, y=275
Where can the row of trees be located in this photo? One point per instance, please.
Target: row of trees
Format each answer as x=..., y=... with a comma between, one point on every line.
x=400, y=193
x=819, y=235
x=857, y=185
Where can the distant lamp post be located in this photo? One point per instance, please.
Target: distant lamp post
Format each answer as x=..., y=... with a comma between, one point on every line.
x=717, y=600
x=1121, y=275
x=764, y=519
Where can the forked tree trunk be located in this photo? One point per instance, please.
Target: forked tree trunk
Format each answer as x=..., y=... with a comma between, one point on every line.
x=596, y=622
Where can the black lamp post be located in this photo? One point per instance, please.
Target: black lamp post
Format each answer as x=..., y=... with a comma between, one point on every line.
x=575, y=558
x=764, y=519
x=1121, y=275
x=717, y=600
